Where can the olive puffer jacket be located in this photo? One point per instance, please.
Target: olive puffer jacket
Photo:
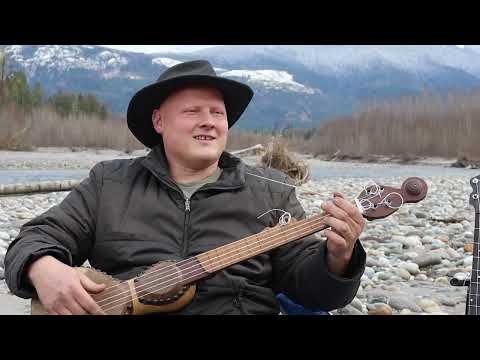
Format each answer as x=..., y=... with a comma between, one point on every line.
x=130, y=214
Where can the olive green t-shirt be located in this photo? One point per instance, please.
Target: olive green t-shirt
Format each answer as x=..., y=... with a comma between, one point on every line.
x=189, y=188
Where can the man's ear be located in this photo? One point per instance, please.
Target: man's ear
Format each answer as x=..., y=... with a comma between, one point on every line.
x=157, y=121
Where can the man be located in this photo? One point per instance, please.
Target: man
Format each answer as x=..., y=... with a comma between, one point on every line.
x=186, y=197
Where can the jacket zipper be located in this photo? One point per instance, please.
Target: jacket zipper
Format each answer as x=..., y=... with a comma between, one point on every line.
x=185, y=228
x=236, y=299
x=187, y=204
x=238, y=304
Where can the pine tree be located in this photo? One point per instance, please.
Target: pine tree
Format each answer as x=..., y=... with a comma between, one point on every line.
x=37, y=95
x=3, y=61
x=18, y=91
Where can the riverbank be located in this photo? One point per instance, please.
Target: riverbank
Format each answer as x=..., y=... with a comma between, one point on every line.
x=411, y=255
x=80, y=158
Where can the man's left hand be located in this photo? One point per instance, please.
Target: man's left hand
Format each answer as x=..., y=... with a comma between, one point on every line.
x=347, y=223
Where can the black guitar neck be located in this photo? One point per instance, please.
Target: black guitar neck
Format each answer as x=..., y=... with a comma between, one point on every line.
x=473, y=295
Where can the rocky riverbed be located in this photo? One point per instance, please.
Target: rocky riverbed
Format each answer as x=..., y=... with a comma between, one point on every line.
x=411, y=255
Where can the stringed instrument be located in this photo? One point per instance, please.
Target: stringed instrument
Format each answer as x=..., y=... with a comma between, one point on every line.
x=473, y=294
x=168, y=286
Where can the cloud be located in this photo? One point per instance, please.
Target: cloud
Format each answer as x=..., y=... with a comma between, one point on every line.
x=148, y=49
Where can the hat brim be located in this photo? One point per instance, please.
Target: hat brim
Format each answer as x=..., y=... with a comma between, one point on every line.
x=236, y=96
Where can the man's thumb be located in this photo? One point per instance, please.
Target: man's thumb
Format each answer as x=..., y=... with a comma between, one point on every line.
x=90, y=285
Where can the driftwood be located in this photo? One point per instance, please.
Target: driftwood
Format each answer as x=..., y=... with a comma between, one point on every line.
x=40, y=187
x=255, y=150
x=464, y=162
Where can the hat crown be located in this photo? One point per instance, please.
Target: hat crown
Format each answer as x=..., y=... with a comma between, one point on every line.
x=189, y=68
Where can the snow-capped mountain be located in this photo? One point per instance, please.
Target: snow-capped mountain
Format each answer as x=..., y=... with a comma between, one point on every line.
x=295, y=85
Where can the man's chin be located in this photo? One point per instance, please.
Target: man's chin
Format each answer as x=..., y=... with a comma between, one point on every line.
x=204, y=160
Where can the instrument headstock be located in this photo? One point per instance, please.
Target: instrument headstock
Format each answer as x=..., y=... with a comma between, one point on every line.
x=379, y=201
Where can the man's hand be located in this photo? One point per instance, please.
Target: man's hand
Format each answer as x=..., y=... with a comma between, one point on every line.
x=346, y=224
x=62, y=290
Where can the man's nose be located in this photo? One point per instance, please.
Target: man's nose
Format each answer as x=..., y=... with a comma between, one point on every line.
x=207, y=120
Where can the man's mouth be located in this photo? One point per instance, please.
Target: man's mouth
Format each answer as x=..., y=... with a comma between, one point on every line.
x=204, y=137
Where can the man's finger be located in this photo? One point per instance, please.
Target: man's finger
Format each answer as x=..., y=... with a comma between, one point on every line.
x=62, y=310
x=338, y=194
x=90, y=285
x=88, y=303
x=336, y=244
x=332, y=209
x=350, y=209
x=75, y=308
x=340, y=227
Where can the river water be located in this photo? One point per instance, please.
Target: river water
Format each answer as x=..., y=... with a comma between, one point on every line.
x=319, y=170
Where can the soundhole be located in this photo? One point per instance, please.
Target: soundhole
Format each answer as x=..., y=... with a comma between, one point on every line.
x=160, y=285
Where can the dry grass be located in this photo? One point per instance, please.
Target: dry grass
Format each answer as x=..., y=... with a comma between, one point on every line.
x=405, y=128
x=278, y=157
x=417, y=126
x=44, y=127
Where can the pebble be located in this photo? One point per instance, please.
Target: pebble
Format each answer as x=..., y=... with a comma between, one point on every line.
x=442, y=280
x=468, y=261
x=369, y=272
x=411, y=254
x=427, y=240
x=381, y=310
x=421, y=277
x=4, y=236
x=401, y=303
x=427, y=260
x=443, y=238
x=447, y=301
x=403, y=273
x=357, y=304
x=24, y=215
x=455, y=228
x=372, y=262
x=349, y=310
x=429, y=306
x=453, y=254
x=468, y=248
x=412, y=268
x=384, y=275
x=421, y=215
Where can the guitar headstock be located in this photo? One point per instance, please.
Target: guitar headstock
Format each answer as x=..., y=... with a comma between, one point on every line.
x=379, y=201
x=474, y=196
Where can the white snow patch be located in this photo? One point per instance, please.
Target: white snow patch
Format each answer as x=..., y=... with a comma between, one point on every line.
x=271, y=79
x=165, y=61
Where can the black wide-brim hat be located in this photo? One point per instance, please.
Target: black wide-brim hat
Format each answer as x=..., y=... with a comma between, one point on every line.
x=236, y=96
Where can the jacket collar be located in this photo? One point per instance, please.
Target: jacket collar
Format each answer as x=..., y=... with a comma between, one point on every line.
x=233, y=168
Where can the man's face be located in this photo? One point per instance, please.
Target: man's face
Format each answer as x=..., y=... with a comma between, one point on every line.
x=193, y=124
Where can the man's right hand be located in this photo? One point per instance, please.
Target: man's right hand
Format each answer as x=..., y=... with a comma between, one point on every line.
x=62, y=290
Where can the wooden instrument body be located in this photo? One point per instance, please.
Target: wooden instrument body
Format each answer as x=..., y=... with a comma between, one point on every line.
x=122, y=297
